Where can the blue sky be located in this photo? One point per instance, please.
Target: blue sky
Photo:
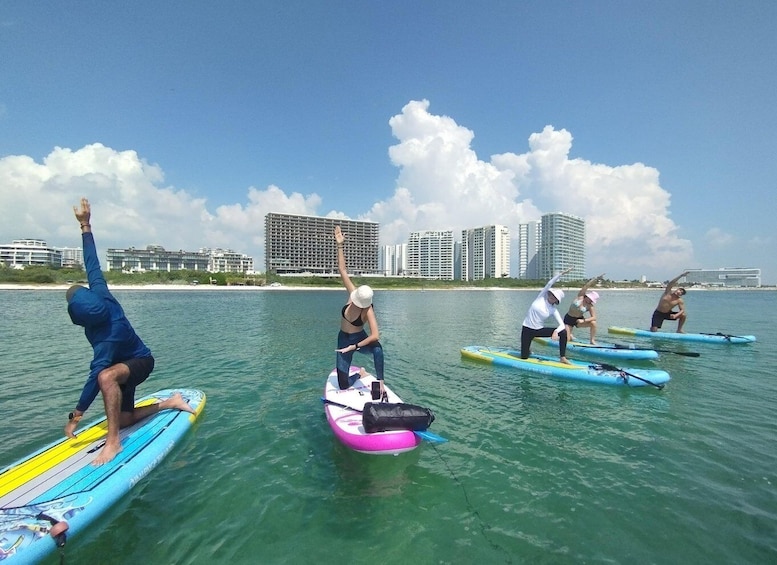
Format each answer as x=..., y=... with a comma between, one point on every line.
x=186, y=122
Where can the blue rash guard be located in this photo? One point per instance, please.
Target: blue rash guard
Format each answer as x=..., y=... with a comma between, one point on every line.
x=105, y=325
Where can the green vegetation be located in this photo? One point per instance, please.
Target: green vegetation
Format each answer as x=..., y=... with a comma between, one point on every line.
x=50, y=275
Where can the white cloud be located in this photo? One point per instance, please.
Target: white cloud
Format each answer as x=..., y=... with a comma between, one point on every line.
x=130, y=205
x=441, y=184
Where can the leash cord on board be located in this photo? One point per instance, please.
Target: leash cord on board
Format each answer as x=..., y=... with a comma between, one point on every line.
x=471, y=509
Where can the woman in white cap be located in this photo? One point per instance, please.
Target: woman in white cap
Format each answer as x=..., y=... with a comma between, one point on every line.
x=355, y=314
x=543, y=307
x=584, y=303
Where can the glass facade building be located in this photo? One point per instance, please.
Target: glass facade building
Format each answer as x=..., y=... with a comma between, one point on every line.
x=22, y=252
x=725, y=277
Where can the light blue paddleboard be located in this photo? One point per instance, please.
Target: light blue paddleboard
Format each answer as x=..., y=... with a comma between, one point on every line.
x=58, y=487
x=698, y=337
x=599, y=373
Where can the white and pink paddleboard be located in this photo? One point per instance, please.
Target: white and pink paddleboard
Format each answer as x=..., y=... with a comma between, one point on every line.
x=343, y=412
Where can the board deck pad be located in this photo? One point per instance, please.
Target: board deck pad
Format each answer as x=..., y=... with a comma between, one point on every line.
x=59, y=482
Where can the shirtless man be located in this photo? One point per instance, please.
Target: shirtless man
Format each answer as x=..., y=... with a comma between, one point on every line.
x=665, y=309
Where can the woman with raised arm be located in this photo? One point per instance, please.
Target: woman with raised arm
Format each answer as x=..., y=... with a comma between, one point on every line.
x=584, y=303
x=543, y=307
x=357, y=312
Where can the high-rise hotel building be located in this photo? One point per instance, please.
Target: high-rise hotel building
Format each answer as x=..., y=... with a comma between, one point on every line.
x=485, y=253
x=306, y=244
x=430, y=254
x=551, y=245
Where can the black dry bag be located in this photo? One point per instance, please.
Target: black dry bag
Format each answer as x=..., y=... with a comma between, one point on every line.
x=384, y=416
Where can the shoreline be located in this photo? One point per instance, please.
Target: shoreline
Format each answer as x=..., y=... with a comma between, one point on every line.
x=232, y=288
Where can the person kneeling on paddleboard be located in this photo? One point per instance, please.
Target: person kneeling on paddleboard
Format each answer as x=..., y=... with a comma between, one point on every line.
x=665, y=309
x=575, y=317
x=121, y=359
x=358, y=311
x=543, y=307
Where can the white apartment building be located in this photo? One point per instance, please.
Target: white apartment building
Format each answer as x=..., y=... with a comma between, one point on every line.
x=430, y=254
x=562, y=245
x=228, y=261
x=72, y=256
x=23, y=252
x=551, y=245
x=392, y=261
x=528, y=251
x=485, y=253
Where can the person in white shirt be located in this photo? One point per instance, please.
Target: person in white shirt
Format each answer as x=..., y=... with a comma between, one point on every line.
x=543, y=307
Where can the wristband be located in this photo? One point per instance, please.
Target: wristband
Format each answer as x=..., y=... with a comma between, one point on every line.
x=356, y=345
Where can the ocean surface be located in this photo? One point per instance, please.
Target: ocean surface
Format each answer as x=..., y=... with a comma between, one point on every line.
x=536, y=469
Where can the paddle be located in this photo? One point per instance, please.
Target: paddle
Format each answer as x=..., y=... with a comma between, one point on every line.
x=609, y=367
x=727, y=336
x=685, y=353
x=423, y=434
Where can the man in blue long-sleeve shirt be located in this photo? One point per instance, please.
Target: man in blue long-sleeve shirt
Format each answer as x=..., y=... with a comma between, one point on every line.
x=121, y=359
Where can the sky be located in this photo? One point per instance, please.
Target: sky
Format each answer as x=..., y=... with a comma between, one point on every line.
x=186, y=122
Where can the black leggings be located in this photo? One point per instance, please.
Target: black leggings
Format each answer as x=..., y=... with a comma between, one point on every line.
x=528, y=334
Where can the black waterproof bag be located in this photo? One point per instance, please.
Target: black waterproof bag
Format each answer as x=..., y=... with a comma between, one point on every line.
x=385, y=416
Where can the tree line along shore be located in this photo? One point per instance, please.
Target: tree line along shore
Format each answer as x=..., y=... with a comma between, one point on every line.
x=48, y=276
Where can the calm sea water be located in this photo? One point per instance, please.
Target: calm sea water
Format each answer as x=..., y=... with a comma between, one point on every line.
x=537, y=470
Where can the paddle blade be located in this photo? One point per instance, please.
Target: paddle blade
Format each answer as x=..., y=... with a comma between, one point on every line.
x=429, y=436
x=686, y=353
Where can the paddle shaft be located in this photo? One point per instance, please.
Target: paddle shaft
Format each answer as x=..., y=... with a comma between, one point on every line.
x=685, y=353
x=609, y=367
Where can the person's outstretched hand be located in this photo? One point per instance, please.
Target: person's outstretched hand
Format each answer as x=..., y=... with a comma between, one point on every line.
x=339, y=237
x=84, y=212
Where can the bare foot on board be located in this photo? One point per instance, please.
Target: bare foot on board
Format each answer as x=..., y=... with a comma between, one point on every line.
x=176, y=402
x=107, y=454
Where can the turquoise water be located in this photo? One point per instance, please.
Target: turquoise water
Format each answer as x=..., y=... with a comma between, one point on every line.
x=537, y=470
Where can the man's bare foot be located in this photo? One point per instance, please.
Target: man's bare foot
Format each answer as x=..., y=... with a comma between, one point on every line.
x=362, y=372
x=565, y=361
x=176, y=402
x=593, y=342
x=107, y=454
